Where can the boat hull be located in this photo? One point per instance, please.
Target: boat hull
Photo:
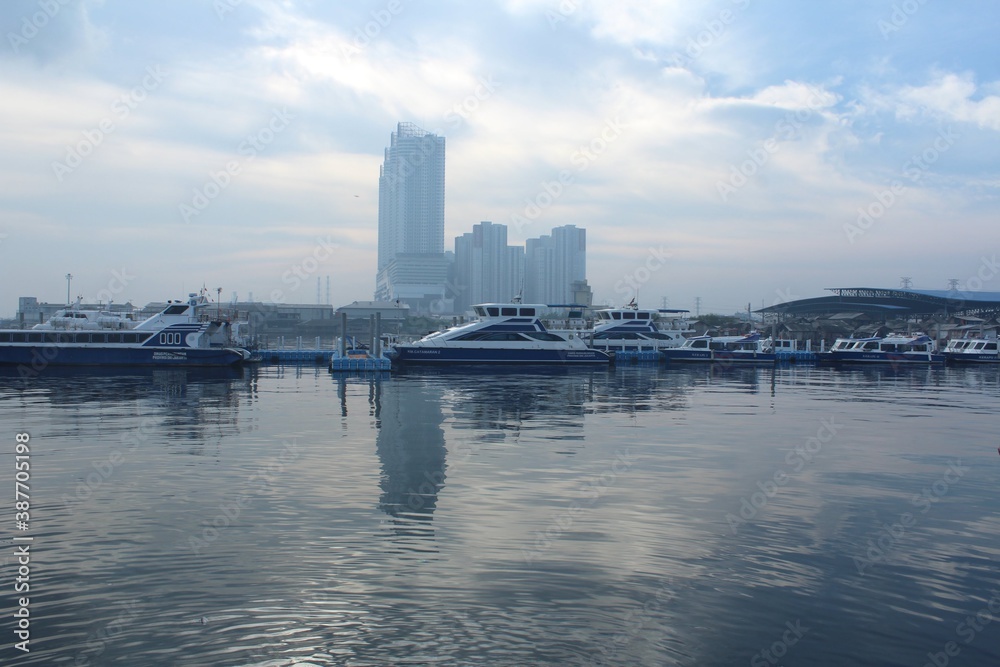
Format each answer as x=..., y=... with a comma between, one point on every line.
x=717, y=356
x=455, y=355
x=967, y=358
x=848, y=357
x=42, y=356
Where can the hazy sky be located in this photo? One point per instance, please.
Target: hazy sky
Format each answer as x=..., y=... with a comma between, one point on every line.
x=723, y=150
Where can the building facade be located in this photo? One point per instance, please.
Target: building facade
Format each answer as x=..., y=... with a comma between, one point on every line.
x=486, y=268
x=555, y=265
x=411, y=262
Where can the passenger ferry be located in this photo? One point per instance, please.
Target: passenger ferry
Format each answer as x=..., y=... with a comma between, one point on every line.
x=631, y=329
x=76, y=318
x=972, y=350
x=179, y=335
x=727, y=349
x=504, y=333
x=892, y=349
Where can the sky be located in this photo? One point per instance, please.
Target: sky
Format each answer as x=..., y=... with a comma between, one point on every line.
x=720, y=154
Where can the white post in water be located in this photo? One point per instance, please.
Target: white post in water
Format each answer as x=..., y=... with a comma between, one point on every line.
x=317, y=343
x=378, y=335
x=343, y=333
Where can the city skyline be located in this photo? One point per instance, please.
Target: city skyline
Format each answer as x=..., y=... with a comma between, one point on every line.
x=727, y=151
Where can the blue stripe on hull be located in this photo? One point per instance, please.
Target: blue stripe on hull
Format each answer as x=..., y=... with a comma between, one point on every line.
x=972, y=358
x=426, y=355
x=880, y=358
x=718, y=357
x=40, y=356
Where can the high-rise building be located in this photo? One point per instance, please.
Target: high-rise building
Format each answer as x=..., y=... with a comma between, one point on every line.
x=411, y=262
x=486, y=268
x=552, y=264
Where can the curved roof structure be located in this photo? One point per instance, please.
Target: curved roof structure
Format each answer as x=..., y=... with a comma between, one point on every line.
x=894, y=303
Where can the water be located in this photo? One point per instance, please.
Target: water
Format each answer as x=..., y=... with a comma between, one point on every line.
x=635, y=516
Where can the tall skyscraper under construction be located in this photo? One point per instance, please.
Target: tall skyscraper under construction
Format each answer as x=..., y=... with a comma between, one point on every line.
x=411, y=261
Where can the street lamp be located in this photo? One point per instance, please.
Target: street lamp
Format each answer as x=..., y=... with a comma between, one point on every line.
x=69, y=277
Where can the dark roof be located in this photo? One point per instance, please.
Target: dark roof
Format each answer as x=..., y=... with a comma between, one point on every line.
x=893, y=302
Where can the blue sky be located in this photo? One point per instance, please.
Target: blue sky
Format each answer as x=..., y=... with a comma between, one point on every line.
x=740, y=151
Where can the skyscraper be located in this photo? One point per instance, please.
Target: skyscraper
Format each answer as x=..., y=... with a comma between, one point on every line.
x=411, y=263
x=552, y=264
x=486, y=268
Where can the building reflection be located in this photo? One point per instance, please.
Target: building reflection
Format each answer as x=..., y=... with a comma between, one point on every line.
x=410, y=445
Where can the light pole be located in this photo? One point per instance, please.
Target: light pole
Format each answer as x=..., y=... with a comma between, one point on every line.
x=69, y=278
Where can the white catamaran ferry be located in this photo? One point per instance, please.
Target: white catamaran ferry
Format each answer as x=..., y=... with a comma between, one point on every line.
x=505, y=333
x=633, y=329
x=179, y=335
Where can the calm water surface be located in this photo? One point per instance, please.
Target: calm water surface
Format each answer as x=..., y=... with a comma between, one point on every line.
x=639, y=516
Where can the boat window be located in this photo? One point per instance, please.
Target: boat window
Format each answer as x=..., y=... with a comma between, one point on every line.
x=131, y=338
x=143, y=337
x=699, y=343
x=34, y=338
x=479, y=311
x=628, y=316
x=98, y=338
x=114, y=338
x=601, y=315
x=990, y=346
x=642, y=316
x=17, y=337
x=175, y=310
x=920, y=348
x=4, y=337
x=870, y=345
x=508, y=312
x=493, y=311
x=616, y=316
x=543, y=335
x=528, y=312
x=81, y=338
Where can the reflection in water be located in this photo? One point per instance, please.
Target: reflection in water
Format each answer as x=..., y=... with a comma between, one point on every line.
x=411, y=450
x=398, y=532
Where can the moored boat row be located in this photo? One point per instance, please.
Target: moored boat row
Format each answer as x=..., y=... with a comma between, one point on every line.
x=179, y=335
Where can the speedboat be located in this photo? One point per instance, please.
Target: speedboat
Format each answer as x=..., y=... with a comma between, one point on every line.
x=727, y=349
x=631, y=329
x=504, y=333
x=892, y=349
x=179, y=335
x=76, y=318
x=972, y=350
